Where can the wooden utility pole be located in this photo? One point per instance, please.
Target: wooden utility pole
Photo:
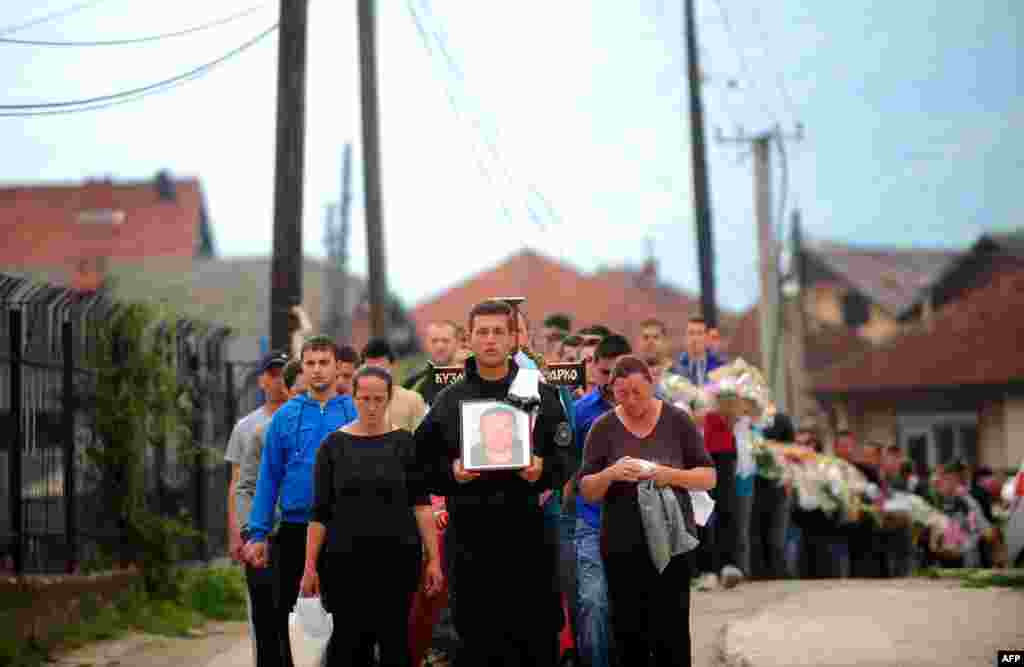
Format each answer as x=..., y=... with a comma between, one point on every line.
x=772, y=350
x=286, y=263
x=701, y=196
x=373, y=205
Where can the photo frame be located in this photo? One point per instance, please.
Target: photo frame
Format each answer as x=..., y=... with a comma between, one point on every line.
x=494, y=435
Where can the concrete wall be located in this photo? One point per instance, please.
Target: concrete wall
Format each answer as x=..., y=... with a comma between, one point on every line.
x=1013, y=415
x=992, y=433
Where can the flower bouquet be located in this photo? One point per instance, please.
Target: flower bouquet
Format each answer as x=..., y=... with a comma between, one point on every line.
x=682, y=393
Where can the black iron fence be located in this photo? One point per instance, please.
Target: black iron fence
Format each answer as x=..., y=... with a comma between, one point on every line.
x=52, y=498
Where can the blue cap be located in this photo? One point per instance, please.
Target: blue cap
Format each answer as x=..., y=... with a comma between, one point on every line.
x=275, y=358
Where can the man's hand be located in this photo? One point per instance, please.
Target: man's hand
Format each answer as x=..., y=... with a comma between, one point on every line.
x=255, y=554
x=532, y=472
x=236, y=545
x=461, y=474
x=628, y=469
x=310, y=585
x=441, y=519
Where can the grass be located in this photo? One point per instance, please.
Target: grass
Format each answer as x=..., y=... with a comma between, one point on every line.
x=978, y=578
x=204, y=594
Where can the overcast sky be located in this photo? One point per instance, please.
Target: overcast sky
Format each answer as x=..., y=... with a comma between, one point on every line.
x=913, y=115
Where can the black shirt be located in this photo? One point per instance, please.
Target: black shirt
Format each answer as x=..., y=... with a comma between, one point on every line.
x=365, y=488
x=497, y=526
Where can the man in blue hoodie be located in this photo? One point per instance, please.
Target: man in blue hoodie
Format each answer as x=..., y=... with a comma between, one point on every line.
x=286, y=474
x=698, y=361
x=594, y=637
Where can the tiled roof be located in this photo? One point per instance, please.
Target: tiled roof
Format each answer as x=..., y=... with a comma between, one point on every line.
x=975, y=340
x=618, y=298
x=822, y=348
x=59, y=225
x=893, y=278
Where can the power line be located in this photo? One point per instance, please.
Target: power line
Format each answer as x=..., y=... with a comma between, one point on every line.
x=139, y=40
x=10, y=30
x=744, y=66
x=779, y=79
x=106, y=101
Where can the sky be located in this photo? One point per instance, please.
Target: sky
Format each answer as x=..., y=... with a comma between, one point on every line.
x=558, y=126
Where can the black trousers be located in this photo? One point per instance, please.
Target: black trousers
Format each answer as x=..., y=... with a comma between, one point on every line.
x=269, y=628
x=768, y=523
x=718, y=538
x=372, y=588
x=287, y=560
x=650, y=612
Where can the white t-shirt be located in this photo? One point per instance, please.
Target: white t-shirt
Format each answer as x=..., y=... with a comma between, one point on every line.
x=245, y=447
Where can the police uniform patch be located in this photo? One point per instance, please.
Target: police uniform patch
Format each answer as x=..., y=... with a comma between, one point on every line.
x=563, y=435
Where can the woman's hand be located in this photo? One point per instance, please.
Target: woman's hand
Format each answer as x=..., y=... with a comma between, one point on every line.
x=662, y=476
x=461, y=474
x=433, y=578
x=441, y=519
x=628, y=469
x=310, y=585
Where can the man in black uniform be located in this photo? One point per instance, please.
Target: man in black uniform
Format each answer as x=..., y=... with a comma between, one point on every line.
x=507, y=602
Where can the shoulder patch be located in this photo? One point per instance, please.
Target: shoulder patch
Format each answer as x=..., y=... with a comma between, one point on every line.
x=563, y=434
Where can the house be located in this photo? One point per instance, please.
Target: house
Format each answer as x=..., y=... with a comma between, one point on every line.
x=953, y=387
x=619, y=298
x=843, y=300
x=73, y=233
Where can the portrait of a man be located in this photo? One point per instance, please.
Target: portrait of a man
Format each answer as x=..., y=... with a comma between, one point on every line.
x=496, y=435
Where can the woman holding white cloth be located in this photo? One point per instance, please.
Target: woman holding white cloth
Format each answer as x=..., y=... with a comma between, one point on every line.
x=644, y=438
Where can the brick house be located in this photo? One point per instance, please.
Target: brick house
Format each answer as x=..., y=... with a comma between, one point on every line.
x=74, y=234
x=619, y=298
x=952, y=387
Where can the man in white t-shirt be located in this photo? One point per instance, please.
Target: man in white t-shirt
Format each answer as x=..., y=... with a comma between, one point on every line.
x=243, y=453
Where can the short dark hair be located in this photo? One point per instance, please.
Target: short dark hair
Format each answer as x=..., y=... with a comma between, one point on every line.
x=629, y=365
x=348, y=355
x=781, y=429
x=378, y=348
x=372, y=371
x=572, y=341
x=291, y=372
x=601, y=330
x=558, y=321
x=654, y=322
x=697, y=319
x=894, y=449
x=844, y=433
x=491, y=307
x=499, y=410
x=612, y=346
x=319, y=344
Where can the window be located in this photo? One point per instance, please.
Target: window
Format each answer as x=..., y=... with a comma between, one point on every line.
x=941, y=438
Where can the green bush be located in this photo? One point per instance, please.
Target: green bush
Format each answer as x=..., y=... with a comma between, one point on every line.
x=217, y=593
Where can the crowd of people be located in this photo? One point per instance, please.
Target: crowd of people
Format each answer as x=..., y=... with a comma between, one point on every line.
x=351, y=486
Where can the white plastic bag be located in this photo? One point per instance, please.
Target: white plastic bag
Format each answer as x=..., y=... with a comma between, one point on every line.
x=313, y=618
x=702, y=506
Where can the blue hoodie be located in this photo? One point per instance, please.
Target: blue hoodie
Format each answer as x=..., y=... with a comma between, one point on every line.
x=289, y=452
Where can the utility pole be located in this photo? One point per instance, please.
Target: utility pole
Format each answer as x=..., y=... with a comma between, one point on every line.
x=344, y=218
x=701, y=197
x=286, y=263
x=335, y=319
x=772, y=351
x=371, y=169
x=802, y=406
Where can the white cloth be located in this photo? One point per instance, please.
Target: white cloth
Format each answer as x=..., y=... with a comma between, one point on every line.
x=703, y=505
x=526, y=385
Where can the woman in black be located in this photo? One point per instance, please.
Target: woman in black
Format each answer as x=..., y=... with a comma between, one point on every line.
x=371, y=505
x=650, y=609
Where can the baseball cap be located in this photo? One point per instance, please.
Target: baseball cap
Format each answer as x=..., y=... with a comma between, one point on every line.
x=272, y=359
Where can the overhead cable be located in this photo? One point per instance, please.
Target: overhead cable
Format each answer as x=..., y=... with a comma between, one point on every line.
x=105, y=101
x=139, y=40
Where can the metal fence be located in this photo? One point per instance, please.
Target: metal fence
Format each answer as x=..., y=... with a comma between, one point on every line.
x=53, y=516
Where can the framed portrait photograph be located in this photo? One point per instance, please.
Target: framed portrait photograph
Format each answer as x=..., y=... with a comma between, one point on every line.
x=495, y=436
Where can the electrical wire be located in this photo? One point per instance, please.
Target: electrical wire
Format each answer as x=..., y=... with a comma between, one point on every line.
x=10, y=30
x=106, y=101
x=780, y=81
x=481, y=167
x=140, y=40
x=745, y=70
